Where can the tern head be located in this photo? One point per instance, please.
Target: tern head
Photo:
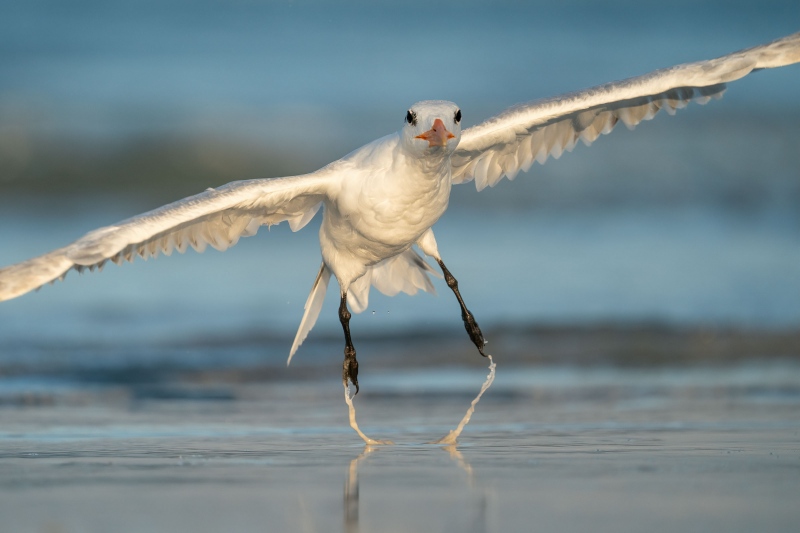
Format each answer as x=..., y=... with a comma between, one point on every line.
x=432, y=127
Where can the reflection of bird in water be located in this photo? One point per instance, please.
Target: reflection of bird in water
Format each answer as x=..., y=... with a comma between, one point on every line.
x=351, y=485
x=352, y=500
x=351, y=497
x=384, y=198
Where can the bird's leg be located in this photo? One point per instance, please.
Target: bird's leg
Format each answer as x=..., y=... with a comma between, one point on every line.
x=470, y=324
x=350, y=365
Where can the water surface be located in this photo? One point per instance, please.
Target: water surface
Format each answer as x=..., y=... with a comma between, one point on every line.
x=606, y=450
x=641, y=297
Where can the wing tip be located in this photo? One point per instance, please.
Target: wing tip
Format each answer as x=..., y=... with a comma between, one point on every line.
x=26, y=276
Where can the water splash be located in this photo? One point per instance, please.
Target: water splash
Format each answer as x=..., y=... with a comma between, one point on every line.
x=353, y=424
x=452, y=437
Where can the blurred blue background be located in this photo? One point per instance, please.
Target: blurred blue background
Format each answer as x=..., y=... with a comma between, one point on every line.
x=641, y=297
x=111, y=108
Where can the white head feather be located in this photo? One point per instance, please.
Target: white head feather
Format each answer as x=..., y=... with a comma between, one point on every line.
x=420, y=119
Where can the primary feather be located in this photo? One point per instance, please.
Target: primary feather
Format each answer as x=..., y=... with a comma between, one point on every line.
x=217, y=217
x=511, y=141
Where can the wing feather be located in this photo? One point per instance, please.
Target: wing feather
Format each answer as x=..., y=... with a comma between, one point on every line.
x=509, y=142
x=217, y=217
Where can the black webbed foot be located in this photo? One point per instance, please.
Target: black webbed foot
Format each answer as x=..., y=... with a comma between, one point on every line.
x=350, y=367
x=474, y=331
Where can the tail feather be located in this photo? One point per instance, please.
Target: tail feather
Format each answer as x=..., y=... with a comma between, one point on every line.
x=406, y=272
x=312, y=309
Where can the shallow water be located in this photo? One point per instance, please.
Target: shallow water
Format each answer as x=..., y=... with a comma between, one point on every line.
x=602, y=449
x=153, y=397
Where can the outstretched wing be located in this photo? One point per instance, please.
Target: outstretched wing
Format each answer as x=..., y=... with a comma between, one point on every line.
x=216, y=217
x=511, y=141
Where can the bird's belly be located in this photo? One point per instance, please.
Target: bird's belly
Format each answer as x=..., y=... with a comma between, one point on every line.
x=382, y=229
x=398, y=230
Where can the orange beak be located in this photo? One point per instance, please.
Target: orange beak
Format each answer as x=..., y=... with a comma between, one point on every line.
x=437, y=135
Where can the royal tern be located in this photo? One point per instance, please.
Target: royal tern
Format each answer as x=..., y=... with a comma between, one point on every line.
x=383, y=198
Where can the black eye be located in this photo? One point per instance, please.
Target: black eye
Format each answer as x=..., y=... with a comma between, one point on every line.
x=458, y=116
x=411, y=118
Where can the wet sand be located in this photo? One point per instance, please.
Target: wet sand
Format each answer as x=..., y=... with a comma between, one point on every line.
x=566, y=448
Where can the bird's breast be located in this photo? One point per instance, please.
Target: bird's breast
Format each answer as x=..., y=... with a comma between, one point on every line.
x=387, y=212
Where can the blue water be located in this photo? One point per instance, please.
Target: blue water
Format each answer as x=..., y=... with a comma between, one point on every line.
x=598, y=449
x=690, y=220
x=676, y=266
x=340, y=74
x=153, y=396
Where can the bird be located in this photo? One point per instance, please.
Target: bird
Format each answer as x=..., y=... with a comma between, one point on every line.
x=380, y=202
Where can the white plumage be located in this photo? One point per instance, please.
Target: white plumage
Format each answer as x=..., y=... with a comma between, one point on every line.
x=383, y=198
